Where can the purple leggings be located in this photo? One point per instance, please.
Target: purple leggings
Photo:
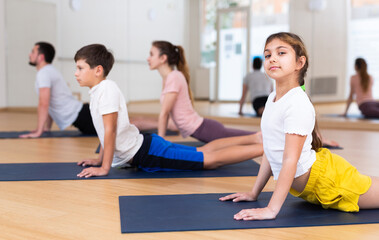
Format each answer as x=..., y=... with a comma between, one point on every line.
x=370, y=109
x=210, y=130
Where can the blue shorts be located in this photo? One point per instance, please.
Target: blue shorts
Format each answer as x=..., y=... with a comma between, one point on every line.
x=157, y=154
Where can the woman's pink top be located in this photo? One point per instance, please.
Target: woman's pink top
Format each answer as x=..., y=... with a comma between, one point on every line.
x=186, y=119
x=360, y=95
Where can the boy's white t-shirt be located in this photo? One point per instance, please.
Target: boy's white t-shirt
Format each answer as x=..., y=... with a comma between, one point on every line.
x=107, y=98
x=293, y=114
x=63, y=107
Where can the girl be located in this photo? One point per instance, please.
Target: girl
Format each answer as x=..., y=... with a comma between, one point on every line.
x=291, y=146
x=177, y=101
x=361, y=86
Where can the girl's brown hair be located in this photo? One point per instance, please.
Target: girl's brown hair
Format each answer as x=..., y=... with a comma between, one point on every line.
x=361, y=67
x=175, y=57
x=297, y=44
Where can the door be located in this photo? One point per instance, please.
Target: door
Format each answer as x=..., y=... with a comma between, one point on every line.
x=233, y=34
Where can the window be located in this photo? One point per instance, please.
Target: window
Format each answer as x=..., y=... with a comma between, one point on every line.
x=209, y=31
x=269, y=16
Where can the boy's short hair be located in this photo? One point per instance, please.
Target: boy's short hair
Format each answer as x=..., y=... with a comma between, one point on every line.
x=257, y=63
x=95, y=55
x=47, y=50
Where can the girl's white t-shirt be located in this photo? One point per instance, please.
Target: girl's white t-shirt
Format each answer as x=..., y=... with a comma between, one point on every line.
x=293, y=114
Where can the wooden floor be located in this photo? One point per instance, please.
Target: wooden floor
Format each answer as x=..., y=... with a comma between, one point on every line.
x=88, y=209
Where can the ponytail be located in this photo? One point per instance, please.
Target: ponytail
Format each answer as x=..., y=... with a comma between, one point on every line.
x=316, y=141
x=361, y=67
x=175, y=57
x=182, y=66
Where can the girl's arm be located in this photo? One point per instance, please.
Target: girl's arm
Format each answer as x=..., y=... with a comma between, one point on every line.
x=291, y=155
x=110, y=132
x=167, y=105
x=264, y=175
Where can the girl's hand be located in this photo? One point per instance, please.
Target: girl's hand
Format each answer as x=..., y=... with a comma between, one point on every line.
x=237, y=197
x=255, y=214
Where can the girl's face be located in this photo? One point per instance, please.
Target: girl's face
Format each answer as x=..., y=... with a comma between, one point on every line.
x=280, y=61
x=154, y=60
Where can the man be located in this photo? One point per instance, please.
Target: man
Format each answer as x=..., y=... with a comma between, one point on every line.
x=55, y=101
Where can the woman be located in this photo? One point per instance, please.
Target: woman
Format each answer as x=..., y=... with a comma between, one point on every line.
x=361, y=87
x=177, y=101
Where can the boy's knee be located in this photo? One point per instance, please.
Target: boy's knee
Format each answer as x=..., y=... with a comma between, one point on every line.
x=210, y=162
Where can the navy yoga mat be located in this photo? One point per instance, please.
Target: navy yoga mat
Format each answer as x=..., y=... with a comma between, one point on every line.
x=74, y=133
x=68, y=171
x=352, y=116
x=168, y=132
x=194, y=212
x=50, y=134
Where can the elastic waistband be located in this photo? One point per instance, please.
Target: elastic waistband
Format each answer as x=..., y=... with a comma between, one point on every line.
x=317, y=169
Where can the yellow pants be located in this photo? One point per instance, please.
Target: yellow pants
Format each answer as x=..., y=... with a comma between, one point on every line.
x=334, y=183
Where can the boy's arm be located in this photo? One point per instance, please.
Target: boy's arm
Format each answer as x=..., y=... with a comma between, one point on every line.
x=110, y=132
x=93, y=161
x=43, y=113
x=168, y=103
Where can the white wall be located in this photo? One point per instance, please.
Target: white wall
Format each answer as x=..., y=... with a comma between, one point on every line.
x=129, y=27
x=167, y=22
x=27, y=22
x=3, y=83
x=325, y=34
x=125, y=27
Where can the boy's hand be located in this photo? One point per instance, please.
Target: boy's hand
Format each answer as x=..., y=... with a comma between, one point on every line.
x=255, y=214
x=89, y=162
x=237, y=197
x=93, y=171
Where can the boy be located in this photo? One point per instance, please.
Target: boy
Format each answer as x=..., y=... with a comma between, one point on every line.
x=121, y=143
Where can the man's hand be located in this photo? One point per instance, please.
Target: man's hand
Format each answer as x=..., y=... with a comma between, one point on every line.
x=33, y=134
